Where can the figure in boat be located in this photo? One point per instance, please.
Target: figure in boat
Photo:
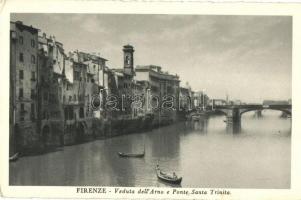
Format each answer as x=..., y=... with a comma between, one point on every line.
x=168, y=177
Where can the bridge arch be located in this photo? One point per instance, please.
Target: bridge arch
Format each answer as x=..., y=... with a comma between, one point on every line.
x=254, y=109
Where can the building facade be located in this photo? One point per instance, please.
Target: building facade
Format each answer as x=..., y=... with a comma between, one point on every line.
x=50, y=91
x=162, y=97
x=23, y=86
x=59, y=98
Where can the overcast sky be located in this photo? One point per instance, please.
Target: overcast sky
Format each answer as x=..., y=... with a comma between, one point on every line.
x=247, y=57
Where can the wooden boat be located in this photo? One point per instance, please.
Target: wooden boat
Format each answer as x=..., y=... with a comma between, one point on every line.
x=133, y=155
x=167, y=177
x=14, y=157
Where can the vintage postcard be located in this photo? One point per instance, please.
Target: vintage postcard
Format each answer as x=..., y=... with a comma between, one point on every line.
x=131, y=100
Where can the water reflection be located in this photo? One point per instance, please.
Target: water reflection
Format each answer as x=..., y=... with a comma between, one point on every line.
x=199, y=125
x=203, y=153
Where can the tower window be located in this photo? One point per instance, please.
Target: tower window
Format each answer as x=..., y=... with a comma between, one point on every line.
x=127, y=60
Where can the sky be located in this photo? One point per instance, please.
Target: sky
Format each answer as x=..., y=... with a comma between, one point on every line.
x=247, y=57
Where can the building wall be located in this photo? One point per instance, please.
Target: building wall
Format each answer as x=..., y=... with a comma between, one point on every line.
x=163, y=86
x=50, y=106
x=24, y=53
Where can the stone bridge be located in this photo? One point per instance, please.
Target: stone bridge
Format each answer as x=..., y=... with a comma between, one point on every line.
x=234, y=112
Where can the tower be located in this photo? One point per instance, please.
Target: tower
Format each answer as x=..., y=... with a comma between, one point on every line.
x=128, y=59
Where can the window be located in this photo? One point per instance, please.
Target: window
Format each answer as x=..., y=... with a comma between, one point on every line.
x=22, y=108
x=32, y=113
x=68, y=112
x=21, y=58
x=33, y=76
x=33, y=43
x=21, y=93
x=32, y=95
x=71, y=114
x=21, y=74
x=81, y=112
x=22, y=112
x=33, y=59
x=21, y=39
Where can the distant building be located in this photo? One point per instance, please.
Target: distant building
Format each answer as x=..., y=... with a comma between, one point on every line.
x=201, y=100
x=23, y=86
x=185, y=99
x=163, y=93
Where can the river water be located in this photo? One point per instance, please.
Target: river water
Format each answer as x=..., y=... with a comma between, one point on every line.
x=205, y=155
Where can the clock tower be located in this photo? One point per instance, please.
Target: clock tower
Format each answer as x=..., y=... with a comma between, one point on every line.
x=128, y=59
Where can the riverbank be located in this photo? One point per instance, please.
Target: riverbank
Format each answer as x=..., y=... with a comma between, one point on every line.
x=84, y=132
x=80, y=132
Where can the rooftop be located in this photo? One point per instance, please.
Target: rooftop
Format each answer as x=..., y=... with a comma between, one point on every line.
x=21, y=26
x=156, y=69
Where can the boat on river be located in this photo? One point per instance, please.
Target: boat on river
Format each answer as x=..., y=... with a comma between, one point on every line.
x=168, y=177
x=133, y=155
x=14, y=157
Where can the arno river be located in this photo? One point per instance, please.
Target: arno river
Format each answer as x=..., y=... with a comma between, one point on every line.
x=205, y=156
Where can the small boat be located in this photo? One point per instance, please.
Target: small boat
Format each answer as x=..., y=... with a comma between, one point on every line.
x=14, y=157
x=167, y=177
x=133, y=155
